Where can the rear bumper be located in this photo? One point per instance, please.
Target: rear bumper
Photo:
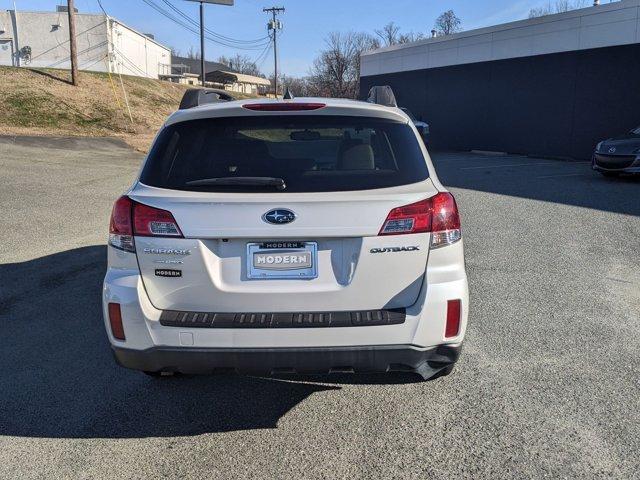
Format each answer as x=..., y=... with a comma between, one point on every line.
x=426, y=362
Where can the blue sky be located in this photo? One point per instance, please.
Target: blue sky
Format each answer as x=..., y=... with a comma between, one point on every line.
x=306, y=22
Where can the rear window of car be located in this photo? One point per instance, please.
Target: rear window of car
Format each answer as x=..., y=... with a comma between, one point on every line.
x=308, y=153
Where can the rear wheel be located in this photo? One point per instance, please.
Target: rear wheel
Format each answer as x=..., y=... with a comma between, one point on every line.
x=610, y=174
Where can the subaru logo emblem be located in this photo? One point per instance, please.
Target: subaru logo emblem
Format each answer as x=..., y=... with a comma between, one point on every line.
x=612, y=150
x=279, y=216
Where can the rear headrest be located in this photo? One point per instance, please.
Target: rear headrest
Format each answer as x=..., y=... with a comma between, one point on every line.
x=358, y=157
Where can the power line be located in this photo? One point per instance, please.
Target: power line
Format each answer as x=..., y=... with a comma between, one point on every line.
x=102, y=8
x=190, y=28
x=129, y=63
x=81, y=52
x=259, y=62
x=211, y=32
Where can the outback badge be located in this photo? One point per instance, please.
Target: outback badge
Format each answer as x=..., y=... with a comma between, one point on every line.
x=394, y=249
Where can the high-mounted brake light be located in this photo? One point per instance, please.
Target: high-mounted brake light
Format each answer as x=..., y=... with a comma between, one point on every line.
x=438, y=215
x=283, y=106
x=129, y=218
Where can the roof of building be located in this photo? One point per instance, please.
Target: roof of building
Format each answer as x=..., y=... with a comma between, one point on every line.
x=226, y=76
x=194, y=66
x=145, y=35
x=616, y=23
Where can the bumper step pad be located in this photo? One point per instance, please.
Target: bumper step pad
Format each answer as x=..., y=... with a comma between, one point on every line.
x=367, y=318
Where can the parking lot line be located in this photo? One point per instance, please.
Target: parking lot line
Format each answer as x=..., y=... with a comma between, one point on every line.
x=508, y=165
x=564, y=175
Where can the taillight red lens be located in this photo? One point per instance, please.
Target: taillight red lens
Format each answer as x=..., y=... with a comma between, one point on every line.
x=120, y=227
x=154, y=222
x=120, y=223
x=454, y=311
x=435, y=214
x=413, y=218
x=283, y=107
x=444, y=213
x=115, y=320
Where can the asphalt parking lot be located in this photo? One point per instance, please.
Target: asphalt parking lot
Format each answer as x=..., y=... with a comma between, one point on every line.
x=548, y=384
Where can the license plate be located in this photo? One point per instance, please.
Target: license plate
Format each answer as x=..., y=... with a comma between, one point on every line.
x=282, y=260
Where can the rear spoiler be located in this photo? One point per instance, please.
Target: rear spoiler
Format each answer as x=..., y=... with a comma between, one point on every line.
x=382, y=95
x=195, y=97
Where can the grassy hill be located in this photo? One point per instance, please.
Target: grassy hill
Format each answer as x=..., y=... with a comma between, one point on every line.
x=42, y=102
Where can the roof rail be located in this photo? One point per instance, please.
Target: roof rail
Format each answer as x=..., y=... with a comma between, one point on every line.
x=382, y=95
x=195, y=97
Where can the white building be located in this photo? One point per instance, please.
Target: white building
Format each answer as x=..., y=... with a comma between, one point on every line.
x=41, y=39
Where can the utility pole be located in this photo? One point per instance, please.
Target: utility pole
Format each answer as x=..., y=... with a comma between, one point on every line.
x=275, y=25
x=203, y=75
x=72, y=42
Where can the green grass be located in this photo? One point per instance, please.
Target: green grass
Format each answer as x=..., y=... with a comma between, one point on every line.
x=35, y=109
x=41, y=109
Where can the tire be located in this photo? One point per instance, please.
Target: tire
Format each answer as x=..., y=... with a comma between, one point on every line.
x=610, y=174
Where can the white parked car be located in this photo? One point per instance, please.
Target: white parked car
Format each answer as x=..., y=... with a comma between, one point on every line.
x=273, y=236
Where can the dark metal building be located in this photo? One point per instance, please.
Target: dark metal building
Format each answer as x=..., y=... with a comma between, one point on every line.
x=554, y=85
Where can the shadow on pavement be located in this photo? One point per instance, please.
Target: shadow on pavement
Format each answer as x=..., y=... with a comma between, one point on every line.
x=59, y=379
x=555, y=181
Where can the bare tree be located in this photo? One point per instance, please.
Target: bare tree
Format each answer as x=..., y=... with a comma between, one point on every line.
x=566, y=5
x=241, y=64
x=447, y=23
x=336, y=71
x=540, y=11
x=193, y=54
x=298, y=86
x=559, y=7
x=388, y=34
x=410, y=37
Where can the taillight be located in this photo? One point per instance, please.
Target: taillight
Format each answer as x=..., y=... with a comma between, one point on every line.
x=283, y=107
x=454, y=312
x=115, y=320
x=129, y=218
x=120, y=227
x=154, y=222
x=438, y=215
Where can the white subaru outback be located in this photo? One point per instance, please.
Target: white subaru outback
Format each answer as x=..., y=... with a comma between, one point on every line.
x=286, y=236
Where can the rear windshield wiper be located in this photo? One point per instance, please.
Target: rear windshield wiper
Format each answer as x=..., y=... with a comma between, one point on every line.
x=241, y=182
